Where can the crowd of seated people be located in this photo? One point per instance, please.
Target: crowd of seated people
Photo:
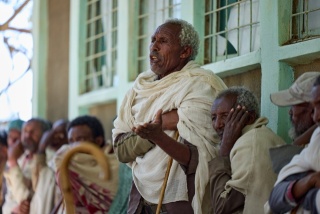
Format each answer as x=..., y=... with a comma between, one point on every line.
x=182, y=143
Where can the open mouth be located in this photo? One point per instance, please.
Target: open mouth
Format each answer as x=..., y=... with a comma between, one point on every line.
x=154, y=58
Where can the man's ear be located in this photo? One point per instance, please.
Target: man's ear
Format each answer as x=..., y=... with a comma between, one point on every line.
x=186, y=52
x=99, y=141
x=252, y=118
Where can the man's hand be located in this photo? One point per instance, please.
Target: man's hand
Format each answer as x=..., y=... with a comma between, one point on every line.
x=150, y=131
x=237, y=119
x=45, y=141
x=170, y=120
x=24, y=207
x=14, y=152
x=302, y=186
x=314, y=180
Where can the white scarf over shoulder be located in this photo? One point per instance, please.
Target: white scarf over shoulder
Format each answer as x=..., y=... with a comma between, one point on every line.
x=308, y=159
x=191, y=91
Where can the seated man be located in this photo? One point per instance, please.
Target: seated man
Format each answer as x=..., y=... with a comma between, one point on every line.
x=3, y=160
x=241, y=177
x=298, y=184
x=298, y=97
x=43, y=172
x=20, y=165
x=91, y=193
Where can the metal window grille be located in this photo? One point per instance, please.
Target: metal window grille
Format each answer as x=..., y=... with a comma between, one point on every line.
x=305, y=18
x=152, y=13
x=101, y=44
x=231, y=29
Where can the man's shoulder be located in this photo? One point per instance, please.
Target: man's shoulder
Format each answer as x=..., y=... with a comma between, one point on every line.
x=261, y=134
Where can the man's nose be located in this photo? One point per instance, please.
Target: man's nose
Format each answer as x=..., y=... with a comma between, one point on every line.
x=154, y=46
x=27, y=134
x=218, y=124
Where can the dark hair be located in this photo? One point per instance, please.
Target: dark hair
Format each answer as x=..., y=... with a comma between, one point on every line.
x=317, y=82
x=92, y=122
x=3, y=138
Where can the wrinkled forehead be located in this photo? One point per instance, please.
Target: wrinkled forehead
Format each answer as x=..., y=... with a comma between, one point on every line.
x=224, y=104
x=34, y=125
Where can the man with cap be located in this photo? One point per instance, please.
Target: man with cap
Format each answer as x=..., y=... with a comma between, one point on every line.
x=14, y=131
x=297, y=189
x=298, y=97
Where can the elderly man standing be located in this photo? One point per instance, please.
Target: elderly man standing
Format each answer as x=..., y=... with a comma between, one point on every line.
x=298, y=97
x=297, y=189
x=143, y=135
x=241, y=177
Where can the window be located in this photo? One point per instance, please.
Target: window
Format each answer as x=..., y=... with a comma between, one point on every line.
x=101, y=44
x=305, y=20
x=231, y=29
x=152, y=13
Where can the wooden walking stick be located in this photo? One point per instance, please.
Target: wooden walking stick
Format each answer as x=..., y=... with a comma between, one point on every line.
x=165, y=181
x=66, y=189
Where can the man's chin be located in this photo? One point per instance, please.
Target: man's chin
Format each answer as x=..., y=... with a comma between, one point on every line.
x=29, y=147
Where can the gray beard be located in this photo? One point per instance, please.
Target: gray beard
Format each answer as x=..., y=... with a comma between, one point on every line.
x=292, y=133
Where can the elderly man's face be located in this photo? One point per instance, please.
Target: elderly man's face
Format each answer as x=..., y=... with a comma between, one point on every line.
x=219, y=112
x=166, y=53
x=316, y=104
x=301, y=119
x=31, y=135
x=60, y=134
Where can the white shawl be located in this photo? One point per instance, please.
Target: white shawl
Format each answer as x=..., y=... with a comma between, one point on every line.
x=191, y=91
x=308, y=159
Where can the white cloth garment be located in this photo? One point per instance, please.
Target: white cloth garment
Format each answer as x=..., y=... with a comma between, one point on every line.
x=191, y=91
x=308, y=159
x=252, y=172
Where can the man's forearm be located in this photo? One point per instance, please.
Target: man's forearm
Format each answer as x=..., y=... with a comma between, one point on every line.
x=16, y=184
x=129, y=146
x=223, y=201
x=178, y=151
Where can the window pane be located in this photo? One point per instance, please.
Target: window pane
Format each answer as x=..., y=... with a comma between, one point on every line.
x=101, y=44
x=305, y=20
x=231, y=28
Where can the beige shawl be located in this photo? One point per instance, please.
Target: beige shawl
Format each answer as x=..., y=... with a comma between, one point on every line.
x=252, y=172
x=191, y=91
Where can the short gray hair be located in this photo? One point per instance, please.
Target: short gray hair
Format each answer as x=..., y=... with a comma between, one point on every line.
x=188, y=36
x=244, y=98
